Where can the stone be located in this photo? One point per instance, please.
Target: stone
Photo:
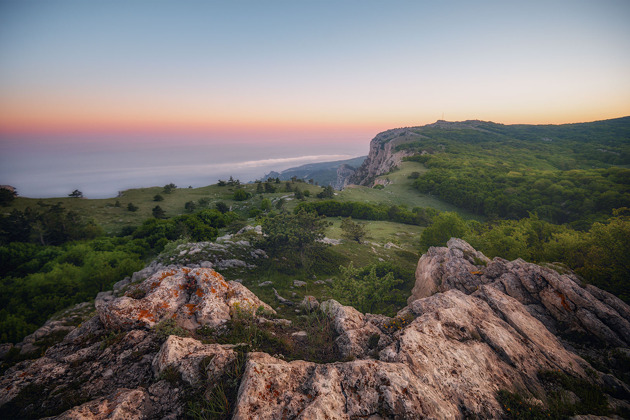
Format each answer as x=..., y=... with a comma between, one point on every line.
x=299, y=283
x=266, y=283
x=122, y=405
x=309, y=303
x=557, y=300
x=192, y=298
x=353, y=327
x=300, y=335
x=186, y=354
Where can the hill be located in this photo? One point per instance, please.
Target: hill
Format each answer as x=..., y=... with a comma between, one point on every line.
x=324, y=173
x=575, y=173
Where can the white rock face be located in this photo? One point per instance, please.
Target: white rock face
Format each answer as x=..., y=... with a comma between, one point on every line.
x=186, y=354
x=191, y=297
x=557, y=300
x=274, y=389
x=447, y=363
x=125, y=404
x=353, y=327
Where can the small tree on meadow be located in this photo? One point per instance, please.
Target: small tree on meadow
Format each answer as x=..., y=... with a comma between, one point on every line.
x=76, y=194
x=222, y=207
x=131, y=207
x=158, y=212
x=241, y=195
x=352, y=230
x=169, y=188
x=190, y=206
x=158, y=197
x=327, y=192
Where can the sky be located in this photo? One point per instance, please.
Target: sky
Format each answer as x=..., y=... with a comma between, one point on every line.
x=298, y=78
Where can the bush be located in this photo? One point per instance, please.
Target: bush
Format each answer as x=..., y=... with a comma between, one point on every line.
x=241, y=195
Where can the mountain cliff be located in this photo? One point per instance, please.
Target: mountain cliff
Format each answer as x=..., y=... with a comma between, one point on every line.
x=383, y=156
x=477, y=335
x=324, y=173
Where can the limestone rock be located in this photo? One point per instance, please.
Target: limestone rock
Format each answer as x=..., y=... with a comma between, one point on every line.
x=382, y=156
x=442, y=269
x=190, y=297
x=354, y=329
x=557, y=300
x=309, y=303
x=272, y=388
x=186, y=355
x=124, y=404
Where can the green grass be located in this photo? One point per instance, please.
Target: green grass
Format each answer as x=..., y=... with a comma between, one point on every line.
x=400, y=191
x=113, y=219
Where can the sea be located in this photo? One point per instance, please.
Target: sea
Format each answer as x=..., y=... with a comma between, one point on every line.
x=101, y=169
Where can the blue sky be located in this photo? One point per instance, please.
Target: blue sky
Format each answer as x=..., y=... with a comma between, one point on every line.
x=306, y=75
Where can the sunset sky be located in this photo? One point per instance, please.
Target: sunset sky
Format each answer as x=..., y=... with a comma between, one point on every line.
x=334, y=72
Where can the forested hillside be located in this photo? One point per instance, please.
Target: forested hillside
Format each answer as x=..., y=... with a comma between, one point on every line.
x=574, y=173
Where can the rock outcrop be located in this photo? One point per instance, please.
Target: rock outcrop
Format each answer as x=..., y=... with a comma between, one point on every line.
x=557, y=300
x=344, y=172
x=473, y=326
x=383, y=156
x=190, y=297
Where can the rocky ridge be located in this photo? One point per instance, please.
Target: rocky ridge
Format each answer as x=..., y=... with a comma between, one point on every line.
x=383, y=156
x=472, y=327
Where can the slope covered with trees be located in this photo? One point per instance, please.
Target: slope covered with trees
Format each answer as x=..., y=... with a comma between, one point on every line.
x=574, y=173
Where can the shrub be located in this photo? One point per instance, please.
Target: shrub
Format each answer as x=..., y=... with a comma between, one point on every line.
x=241, y=195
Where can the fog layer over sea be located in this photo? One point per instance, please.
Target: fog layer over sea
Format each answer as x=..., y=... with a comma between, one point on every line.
x=102, y=169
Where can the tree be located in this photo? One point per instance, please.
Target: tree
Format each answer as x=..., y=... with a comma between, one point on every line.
x=445, y=226
x=299, y=194
x=131, y=207
x=190, y=206
x=7, y=196
x=294, y=234
x=168, y=188
x=364, y=289
x=241, y=195
x=158, y=197
x=222, y=207
x=327, y=192
x=259, y=187
x=158, y=212
x=76, y=194
x=265, y=204
x=269, y=188
x=221, y=183
x=352, y=230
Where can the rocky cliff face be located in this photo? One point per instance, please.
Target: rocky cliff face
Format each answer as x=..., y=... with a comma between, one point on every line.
x=471, y=328
x=383, y=157
x=344, y=173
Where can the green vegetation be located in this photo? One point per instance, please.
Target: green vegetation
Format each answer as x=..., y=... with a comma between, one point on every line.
x=372, y=289
x=565, y=174
x=600, y=255
x=39, y=280
x=331, y=208
x=353, y=231
x=565, y=396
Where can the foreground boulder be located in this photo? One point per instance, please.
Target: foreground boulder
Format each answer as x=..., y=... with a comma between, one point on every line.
x=559, y=301
x=473, y=328
x=191, y=297
x=448, y=362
